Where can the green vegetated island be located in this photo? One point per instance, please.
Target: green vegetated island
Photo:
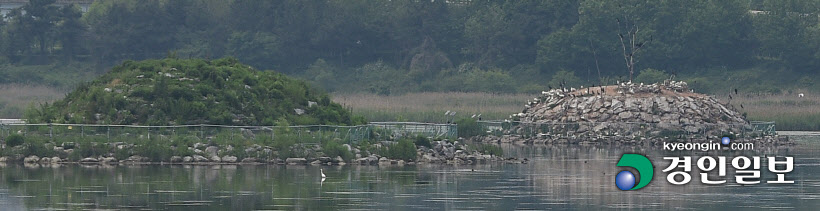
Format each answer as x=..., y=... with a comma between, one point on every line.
x=187, y=92
x=173, y=92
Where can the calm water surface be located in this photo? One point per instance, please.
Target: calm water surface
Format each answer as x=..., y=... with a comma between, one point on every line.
x=558, y=177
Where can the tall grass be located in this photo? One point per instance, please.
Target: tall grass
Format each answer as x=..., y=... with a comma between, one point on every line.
x=15, y=98
x=789, y=111
x=431, y=106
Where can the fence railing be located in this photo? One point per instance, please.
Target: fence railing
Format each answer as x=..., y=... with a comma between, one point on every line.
x=300, y=133
x=635, y=129
x=398, y=129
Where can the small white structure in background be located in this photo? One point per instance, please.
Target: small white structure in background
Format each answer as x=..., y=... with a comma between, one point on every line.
x=800, y=95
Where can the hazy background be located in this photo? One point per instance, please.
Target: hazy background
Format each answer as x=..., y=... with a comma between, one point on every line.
x=767, y=49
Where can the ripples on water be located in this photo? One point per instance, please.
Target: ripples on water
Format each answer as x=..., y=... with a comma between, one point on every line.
x=559, y=177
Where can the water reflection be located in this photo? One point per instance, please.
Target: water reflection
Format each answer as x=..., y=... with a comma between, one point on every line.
x=559, y=177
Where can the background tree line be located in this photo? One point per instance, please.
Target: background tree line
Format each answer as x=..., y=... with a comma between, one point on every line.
x=399, y=46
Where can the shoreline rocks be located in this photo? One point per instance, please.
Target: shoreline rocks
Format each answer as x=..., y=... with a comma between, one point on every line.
x=438, y=152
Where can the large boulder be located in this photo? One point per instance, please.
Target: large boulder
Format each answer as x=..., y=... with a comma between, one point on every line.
x=31, y=159
x=211, y=151
x=176, y=159
x=229, y=159
x=200, y=158
x=296, y=161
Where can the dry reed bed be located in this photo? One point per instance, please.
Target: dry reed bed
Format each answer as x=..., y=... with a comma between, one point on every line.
x=430, y=106
x=22, y=95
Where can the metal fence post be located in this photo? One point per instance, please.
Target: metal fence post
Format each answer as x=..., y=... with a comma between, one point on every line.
x=108, y=132
x=51, y=131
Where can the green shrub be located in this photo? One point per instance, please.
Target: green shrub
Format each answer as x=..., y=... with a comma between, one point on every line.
x=14, y=140
x=333, y=148
x=468, y=127
x=38, y=149
x=122, y=154
x=488, y=149
x=88, y=149
x=154, y=150
x=650, y=75
x=183, y=151
x=565, y=77
x=404, y=150
x=422, y=141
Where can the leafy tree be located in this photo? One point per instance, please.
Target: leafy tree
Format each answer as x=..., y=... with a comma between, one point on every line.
x=70, y=31
x=650, y=75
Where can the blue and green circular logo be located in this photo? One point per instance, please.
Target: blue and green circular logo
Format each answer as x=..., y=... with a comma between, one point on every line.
x=626, y=180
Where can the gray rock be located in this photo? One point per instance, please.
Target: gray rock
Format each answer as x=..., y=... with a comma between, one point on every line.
x=338, y=159
x=249, y=160
x=384, y=160
x=200, y=158
x=248, y=134
x=187, y=159
x=31, y=159
x=56, y=160
x=215, y=158
x=211, y=151
x=89, y=160
x=324, y=159
x=45, y=160
x=229, y=159
x=137, y=158
x=108, y=160
x=176, y=159
x=296, y=161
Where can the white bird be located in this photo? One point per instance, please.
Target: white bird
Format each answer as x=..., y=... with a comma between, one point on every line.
x=800, y=95
x=323, y=173
x=472, y=117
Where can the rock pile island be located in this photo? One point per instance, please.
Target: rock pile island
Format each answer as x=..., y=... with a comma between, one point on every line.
x=629, y=113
